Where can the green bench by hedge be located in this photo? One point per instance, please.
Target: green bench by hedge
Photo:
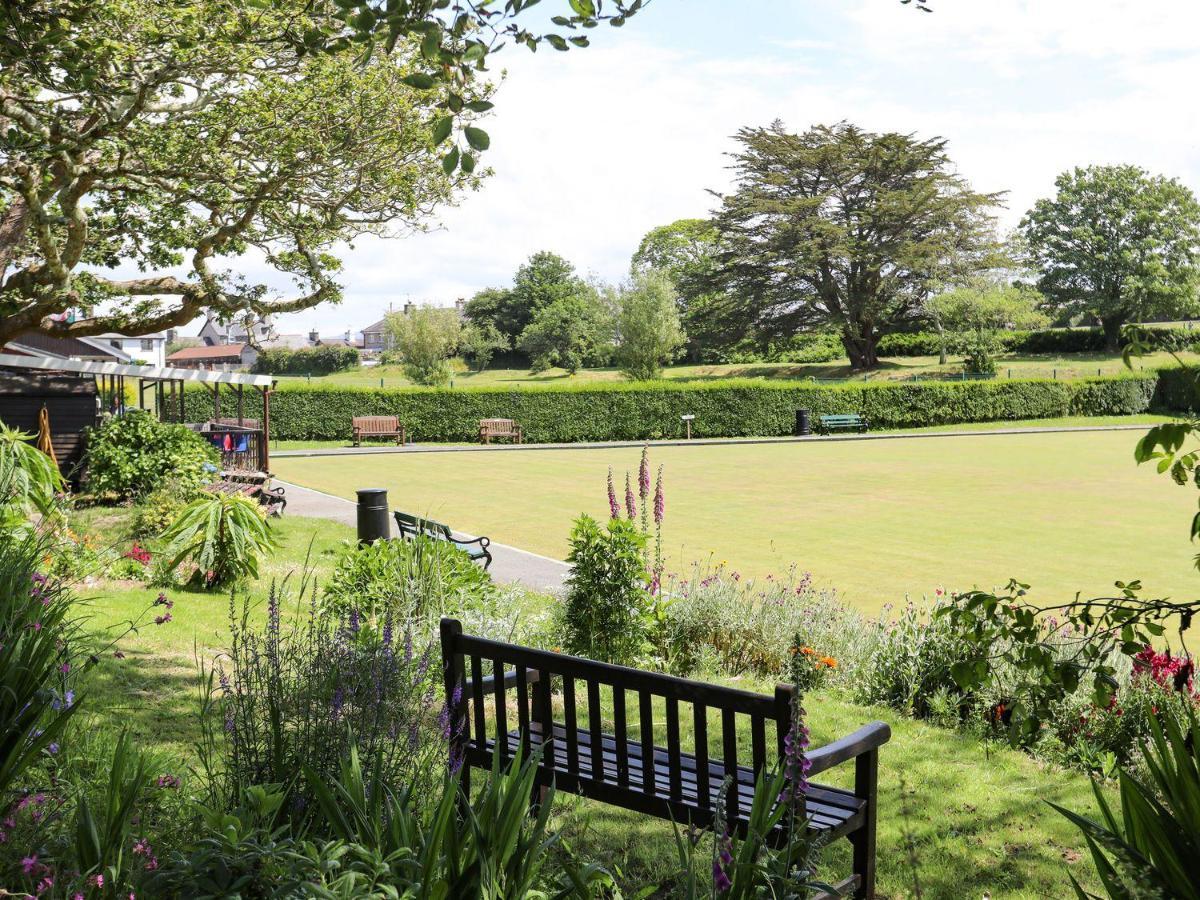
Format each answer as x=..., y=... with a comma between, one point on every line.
x=845, y=421
x=416, y=526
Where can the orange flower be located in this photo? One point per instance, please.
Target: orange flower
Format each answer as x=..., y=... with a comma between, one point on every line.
x=829, y=661
x=807, y=651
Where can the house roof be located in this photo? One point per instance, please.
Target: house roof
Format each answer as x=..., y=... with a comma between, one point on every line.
x=220, y=351
x=33, y=343
x=378, y=326
x=146, y=373
x=157, y=335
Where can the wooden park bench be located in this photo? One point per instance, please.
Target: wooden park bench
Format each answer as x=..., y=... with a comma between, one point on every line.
x=654, y=772
x=500, y=428
x=416, y=526
x=376, y=427
x=845, y=421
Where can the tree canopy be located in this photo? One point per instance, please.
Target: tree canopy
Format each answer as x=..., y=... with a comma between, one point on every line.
x=176, y=136
x=570, y=331
x=1117, y=243
x=426, y=337
x=648, y=332
x=842, y=227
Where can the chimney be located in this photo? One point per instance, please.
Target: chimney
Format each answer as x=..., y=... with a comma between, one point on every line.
x=314, y=337
x=408, y=307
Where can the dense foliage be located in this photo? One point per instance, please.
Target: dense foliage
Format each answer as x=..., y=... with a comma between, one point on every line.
x=134, y=454
x=425, y=337
x=844, y=228
x=221, y=535
x=29, y=480
x=600, y=412
x=1118, y=244
x=648, y=332
x=306, y=361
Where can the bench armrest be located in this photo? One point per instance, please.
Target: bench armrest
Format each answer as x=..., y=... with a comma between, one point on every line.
x=869, y=737
x=481, y=541
x=510, y=680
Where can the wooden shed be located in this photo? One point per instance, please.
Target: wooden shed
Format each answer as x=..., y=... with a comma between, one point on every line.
x=70, y=401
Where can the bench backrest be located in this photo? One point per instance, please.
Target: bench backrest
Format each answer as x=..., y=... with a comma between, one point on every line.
x=497, y=426
x=659, y=710
x=843, y=418
x=376, y=424
x=416, y=526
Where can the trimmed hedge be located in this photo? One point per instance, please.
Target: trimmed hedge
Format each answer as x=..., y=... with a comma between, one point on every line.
x=599, y=412
x=1058, y=340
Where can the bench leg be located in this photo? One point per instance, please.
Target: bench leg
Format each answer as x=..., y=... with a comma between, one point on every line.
x=866, y=787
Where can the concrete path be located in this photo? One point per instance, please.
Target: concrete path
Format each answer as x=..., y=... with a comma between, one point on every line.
x=695, y=442
x=509, y=564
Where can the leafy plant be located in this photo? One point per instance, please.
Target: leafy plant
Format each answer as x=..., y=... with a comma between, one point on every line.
x=426, y=337
x=134, y=454
x=648, y=331
x=403, y=581
x=29, y=479
x=606, y=612
x=1152, y=848
x=223, y=535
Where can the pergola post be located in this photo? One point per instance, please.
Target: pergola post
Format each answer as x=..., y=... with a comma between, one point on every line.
x=266, y=428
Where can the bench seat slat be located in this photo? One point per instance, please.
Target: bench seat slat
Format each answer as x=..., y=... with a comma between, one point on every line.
x=832, y=810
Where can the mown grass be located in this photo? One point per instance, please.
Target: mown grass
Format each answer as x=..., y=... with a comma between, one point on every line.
x=1073, y=365
x=973, y=818
x=875, y=520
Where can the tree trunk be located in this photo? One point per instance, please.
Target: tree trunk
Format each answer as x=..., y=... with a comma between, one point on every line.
x=1112, y=332
x=860, y=347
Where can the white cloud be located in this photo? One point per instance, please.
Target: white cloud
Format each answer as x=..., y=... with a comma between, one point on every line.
x=593, y=148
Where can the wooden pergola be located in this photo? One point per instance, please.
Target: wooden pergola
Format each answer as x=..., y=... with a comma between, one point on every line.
x=168, y=384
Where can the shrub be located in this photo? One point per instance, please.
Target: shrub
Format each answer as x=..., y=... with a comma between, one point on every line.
x=648, y=331
x=750, y=627
x=305, y=689
x=605, y=615
x=29, y=479
x=134, y=454
x=1055, y=340
x=306, y=360
x=727, y=408
x=157, y=510
x=403, y=581
x=426, y=337
x=222, y=535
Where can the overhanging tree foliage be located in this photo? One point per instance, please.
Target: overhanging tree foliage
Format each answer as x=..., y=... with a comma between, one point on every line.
x=171, y=136
x=1118, y=244
x=841, y=227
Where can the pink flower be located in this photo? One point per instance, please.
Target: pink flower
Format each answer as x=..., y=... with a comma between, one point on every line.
x=96, y=880
x=29, y=863
x=644, y=474
x=614, y=509
x=630, y=502
x=163, y=619
x=660, y=499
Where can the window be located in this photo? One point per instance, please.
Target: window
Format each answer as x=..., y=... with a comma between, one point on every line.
x=147, y=343
x=115, y=344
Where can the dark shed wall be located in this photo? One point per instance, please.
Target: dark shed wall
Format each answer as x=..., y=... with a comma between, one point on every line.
x=70, y=401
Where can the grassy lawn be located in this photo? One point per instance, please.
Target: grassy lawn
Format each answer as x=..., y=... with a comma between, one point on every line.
x=1074, y=365
x=974, y=817
x=876, y=520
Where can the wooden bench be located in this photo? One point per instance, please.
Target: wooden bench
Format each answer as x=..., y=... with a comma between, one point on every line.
x=500, y=428
x=270, y=497
x=376, y=427
x=416, y=526
x=655, y=772
x=845, y=421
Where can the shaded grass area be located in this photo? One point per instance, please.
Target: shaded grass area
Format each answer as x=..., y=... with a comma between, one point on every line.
x=1074, y=365
x=876, y=520
x=975, y=817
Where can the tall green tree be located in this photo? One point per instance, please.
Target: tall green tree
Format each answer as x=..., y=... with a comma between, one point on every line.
x=540, y=281
x=973, y=316
x=648, y=331
x=686, y=250
x=842, y=227
x=1117, y=243
x=426, y=337
x=571, y=332
x=168, y=135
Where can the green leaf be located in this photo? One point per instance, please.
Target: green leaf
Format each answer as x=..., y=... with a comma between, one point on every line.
x=480, y=106
x=450, y=161
x=419, y=80
x=442, y=128
x=468, y=163
x=477, y=138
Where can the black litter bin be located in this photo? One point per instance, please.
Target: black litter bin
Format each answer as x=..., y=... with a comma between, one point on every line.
x=803, y=427
x=373, y=524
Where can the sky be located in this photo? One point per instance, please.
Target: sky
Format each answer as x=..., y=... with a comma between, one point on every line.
x=593, y=148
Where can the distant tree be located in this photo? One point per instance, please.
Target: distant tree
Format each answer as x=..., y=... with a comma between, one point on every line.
x=1118, y=244
x=687, y=251
x=841, y=227
x=426, y=337
x=648, y=330
x=542, y=279
x=973, y=317
x=571, y=332
x=479, y=343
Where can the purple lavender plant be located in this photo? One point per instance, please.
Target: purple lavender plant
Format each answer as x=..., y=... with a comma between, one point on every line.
x=614, y=508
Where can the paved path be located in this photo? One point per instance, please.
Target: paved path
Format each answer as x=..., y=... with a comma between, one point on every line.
x=695, y=442
x=539, y=573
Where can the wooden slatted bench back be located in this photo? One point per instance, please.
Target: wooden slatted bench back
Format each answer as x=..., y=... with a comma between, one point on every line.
x=504, y=698
x=377, y=426
x=494, y=428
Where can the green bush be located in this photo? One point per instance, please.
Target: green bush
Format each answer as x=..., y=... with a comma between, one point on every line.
x=306, y=361
x=606, y=612
x=1053, y=340
x=402, y=581
x=727, y=408
x=134, y=454
x=223, y=535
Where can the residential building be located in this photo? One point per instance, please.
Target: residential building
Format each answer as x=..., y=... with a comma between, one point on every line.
x=216, y=333
x=148, y=348
x=220, y=358
x=88, y=349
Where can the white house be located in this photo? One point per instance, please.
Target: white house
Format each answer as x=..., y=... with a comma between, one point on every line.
x=147, y=348
x=216, y=333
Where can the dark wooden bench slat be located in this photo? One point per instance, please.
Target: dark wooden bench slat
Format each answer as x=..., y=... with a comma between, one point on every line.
x=501, y=705
x=758, y=739
x=673, y=755
x=572, y=724
x=476, y=689
x=620, y=730
x=729, y=751
x=646, y=725
x=700, y=726
x=595, y=736
x=523, y=709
